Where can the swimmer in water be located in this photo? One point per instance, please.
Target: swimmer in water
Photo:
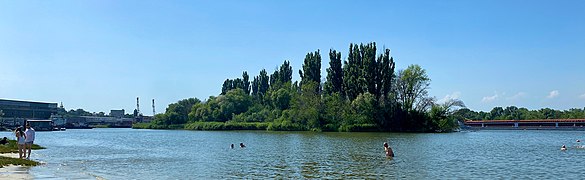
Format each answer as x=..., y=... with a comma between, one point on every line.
x=388, y=150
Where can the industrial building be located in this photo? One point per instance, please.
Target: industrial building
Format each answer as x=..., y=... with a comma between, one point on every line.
x=27, y=109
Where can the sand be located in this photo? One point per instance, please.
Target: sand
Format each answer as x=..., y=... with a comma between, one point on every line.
x=12, y=171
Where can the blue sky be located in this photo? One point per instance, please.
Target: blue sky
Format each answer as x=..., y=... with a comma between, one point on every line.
x=101, y=55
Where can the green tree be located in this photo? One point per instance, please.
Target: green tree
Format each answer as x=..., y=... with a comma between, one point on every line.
x=334, y=108
x=263, y=82
x=281, y=98
x=306, y=107
x=285, y=72
x=497, y=113
x=369, y=69
x=549, y=113
x=412, y=85
x=334, y=74
x=79, y=112
x=351, y=73
x=232, y=103
x=246, y=82
x=364, y=108
x=260, y=84
x=386, y=68
x=443, y=117
x=207, y=111
x=178, y=113
x=228, y=84
x=311, y=71
x=275, y=79
x=511, y=113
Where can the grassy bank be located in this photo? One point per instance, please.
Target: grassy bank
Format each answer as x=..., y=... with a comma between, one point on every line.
x=227, y=126
x=4, y=161
x=154, y=126
x=208, y=126
x=284, y=126
x=12, y=147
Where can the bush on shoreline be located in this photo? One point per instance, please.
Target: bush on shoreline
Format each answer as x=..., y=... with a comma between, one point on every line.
x=227, y=126
x=273, y=126
x=155, y=126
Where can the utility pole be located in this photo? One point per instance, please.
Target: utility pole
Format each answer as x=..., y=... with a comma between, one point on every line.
x=153, y=112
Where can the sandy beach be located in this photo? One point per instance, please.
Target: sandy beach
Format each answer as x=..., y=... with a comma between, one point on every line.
x=12, y=171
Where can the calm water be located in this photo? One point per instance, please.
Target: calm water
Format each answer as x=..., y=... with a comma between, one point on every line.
x=163, y=154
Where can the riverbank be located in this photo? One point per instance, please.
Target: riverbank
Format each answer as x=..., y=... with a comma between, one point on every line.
x=13, y=171
x=13, y=167
x=206, y=126
x=9, y=155
x=526, y=128
x=267, y=126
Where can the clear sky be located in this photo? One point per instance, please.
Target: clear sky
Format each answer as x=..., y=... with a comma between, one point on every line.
x=100, y=55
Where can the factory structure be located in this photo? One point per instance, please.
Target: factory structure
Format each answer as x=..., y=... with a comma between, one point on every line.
x=50, y=116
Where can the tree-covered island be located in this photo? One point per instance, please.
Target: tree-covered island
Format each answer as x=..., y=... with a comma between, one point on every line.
x=362, y=93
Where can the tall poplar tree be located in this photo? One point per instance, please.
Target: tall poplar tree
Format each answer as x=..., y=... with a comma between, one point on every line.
x=386, y=72
x=311, y=71
x=246, y=81
x=285, y=72
x=334, y=82
x=351, y=73
x=275, y=79
x=369, y=69
x=255, y=86
x=228, y=84
x=263, y=82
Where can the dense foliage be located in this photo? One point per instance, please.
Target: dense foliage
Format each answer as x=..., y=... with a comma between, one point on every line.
x=515, y=113
x=362, y=94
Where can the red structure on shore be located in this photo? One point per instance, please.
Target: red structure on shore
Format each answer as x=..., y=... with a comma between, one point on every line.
x=528, y=124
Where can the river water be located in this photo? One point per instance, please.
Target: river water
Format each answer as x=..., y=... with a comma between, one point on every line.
x=178, y=154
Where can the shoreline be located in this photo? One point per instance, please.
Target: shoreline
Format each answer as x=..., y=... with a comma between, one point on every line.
x=14, y=171
x=526, y=128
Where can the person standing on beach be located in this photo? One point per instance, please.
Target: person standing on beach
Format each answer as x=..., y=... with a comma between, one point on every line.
x=20, y=137
x=30, y=138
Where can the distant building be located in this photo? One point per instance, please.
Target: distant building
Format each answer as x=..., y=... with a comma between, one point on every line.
x=27, y=109
x=117, y=113
x=147, y=119
x=58, y=120
x=41, y=125
x=93, y=121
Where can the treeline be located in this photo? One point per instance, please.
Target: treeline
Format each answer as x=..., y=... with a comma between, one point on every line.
x=81, y=112
x=361, y=93
x=515, y=113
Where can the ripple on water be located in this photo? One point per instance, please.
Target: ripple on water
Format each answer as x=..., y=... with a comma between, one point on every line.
x=148, y=154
